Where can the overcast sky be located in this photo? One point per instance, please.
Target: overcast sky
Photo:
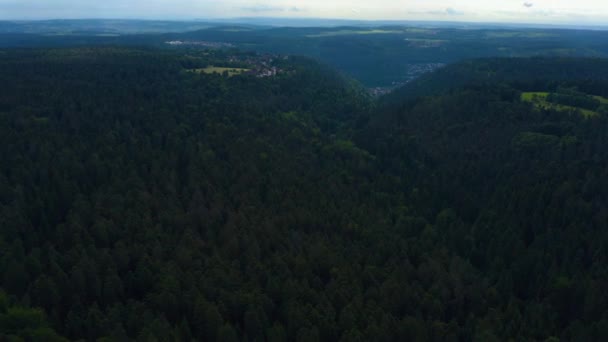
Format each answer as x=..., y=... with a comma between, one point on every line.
x=530, y=11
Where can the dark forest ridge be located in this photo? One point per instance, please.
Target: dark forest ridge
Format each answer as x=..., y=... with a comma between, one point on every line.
x=381, y=57
x=169, y=194
x=159, y=26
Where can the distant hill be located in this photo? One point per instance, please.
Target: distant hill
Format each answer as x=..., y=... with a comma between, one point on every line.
x=99, y=26
x=386, y=56
x=526, y=73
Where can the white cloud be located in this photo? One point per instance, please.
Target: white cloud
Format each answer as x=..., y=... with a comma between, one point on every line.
x=270, y=9
x=465, y=10
x=451, y=11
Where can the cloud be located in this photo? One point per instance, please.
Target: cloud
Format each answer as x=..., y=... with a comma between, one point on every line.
x=447, y=12
x=270, y=9
x=578, y=11
x=451, y=11
x=262, y=8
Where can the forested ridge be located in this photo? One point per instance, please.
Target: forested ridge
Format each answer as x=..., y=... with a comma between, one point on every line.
x=142, y=201
x=377, y=54
x=589, y=74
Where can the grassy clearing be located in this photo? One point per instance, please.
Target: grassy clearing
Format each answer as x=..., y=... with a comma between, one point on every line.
x=425, y=43
x=419, y=30
x=240, y=29
x=602, y=100
x=351, y=32
x=531, y=96
x=426, y=40
x=219, y=70
x=518, y=34
x=539, y=99
x=561, y=52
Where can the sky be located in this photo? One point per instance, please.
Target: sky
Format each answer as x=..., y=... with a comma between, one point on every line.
x=578, y=12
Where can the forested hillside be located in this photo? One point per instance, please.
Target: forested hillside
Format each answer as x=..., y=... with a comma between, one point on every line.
x=376, y=54
x=143, y=196
x=589, y=74
x=515, y=190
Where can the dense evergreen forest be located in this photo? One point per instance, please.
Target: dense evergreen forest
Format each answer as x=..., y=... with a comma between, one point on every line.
x=377, y=54
x=141, y=199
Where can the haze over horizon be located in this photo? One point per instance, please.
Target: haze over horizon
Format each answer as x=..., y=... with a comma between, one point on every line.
x=583, y=12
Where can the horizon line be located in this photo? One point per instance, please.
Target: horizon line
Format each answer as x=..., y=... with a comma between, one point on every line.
x=521, y=24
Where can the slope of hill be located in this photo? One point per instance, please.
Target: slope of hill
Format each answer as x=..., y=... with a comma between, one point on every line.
x=525, y=73
x=141, y=200
x=384, y=56
x=513, y=188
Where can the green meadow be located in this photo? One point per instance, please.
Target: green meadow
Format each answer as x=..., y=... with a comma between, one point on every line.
x=219, y=70
x=539, y=99
x=351, y=32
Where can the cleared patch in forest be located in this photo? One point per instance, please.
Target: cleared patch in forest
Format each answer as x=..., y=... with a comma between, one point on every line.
x=420, y=30
x=219, y=70
x=602, y=100
x=518, y=34
x=539, y=99
x=351, y=32
x=425, y=43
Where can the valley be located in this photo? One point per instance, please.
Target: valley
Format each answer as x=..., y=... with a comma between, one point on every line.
x=166, y=181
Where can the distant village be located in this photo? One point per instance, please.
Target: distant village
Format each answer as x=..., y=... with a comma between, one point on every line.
x=212, y=45
x=414, y=71
x=259, y=65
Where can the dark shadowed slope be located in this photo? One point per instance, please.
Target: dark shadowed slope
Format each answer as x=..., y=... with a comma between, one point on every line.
x=145, y=196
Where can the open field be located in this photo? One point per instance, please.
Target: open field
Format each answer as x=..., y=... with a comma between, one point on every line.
x=351, y=32
x=532, y=96
x=426, y=40
x=602, y=100
x=518, y=34
x=219, y=70
x=539, y=99
x=236, y=29
x=425, y=43
x=420, y=30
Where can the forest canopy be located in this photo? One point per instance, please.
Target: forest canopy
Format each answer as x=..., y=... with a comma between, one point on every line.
x=142, y=201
